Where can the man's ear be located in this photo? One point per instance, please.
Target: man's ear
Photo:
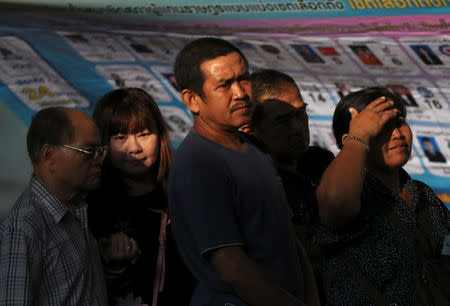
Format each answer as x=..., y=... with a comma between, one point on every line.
x=246, y=128
x=191, y=99
x=48, y=156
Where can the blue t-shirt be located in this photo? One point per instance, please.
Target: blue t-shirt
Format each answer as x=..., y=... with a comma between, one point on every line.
x=219, y=197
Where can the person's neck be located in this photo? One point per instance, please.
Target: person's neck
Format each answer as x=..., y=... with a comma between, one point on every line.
x=138, y=186
x=69, y=197
x=228, y=138
x=285, y=163
x=391, y=179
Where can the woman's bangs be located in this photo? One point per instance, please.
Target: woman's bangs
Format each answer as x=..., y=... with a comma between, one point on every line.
x=131, y=122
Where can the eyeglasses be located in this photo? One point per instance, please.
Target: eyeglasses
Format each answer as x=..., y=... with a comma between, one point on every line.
x=94, y=154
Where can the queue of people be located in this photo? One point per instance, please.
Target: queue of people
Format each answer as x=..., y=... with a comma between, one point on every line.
x=244, y=213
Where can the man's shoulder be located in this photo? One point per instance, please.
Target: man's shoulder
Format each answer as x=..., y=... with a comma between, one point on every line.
x=194, y=141
x=196, y=149
x=254, y=141
x=26, y=216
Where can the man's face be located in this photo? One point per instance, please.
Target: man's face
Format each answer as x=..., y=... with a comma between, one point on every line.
x=74, y=169
x=225, y=104
x=423, y=51
x=428, y=145
x=284, y=128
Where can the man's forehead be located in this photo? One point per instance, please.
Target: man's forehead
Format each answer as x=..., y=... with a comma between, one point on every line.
x=290, y=97
x=87, y=137
x=85, y=130
x=276, y=107
x=78, y=117
x=224, y=67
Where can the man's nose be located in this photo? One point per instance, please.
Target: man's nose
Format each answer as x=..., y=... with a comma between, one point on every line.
x=238, y=91
x=299, y=122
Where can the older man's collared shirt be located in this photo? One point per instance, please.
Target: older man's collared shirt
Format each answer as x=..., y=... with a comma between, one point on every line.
x=47, y=254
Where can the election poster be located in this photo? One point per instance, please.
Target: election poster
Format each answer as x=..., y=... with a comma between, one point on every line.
x=329, y=47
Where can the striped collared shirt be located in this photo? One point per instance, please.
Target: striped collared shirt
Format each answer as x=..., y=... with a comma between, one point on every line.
x=47, y=254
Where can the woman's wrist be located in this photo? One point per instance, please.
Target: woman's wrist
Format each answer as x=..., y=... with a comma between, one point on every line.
x=360, y=140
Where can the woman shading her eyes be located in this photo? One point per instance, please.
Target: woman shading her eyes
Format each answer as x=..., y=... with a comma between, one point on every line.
x=383, y=233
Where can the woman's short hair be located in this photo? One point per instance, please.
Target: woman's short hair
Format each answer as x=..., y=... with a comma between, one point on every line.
x=359, y=101
x=131, y=110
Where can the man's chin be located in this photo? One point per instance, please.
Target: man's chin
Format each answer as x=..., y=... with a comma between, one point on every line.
x=94, y=184
x=243, y=120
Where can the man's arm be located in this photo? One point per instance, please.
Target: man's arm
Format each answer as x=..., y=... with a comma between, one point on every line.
x=310, y=287
x=17, y=266
x=248, y=280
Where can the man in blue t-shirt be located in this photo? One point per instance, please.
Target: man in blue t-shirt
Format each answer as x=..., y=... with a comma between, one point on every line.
x=230, y=215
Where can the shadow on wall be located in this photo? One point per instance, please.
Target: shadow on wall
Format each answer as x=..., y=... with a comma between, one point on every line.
x=15, y=167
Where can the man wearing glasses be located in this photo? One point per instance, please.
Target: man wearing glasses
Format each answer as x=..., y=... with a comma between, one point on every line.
x=47, y=254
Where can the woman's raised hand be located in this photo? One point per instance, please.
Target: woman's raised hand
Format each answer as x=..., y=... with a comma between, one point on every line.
x=368, y=123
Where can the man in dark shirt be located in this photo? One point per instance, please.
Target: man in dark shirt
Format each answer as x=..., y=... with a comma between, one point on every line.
x=280, y=121
x=230, y=216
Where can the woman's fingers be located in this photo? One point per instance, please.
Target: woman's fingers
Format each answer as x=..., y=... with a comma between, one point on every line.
x=114, y=244
x=388, y=115
x=353, y=112
x=375, y=103
x=135, y=251
x=388, y=104
x=119, y=248
x=125, y=245
x=117, y=244
x=133, y=246
x=120, y=245
x=378, y=105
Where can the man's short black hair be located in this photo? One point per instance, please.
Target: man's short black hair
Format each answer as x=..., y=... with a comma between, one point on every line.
x=359, y=101
x=188, y=61
x=49, y=126
x=269, y=81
